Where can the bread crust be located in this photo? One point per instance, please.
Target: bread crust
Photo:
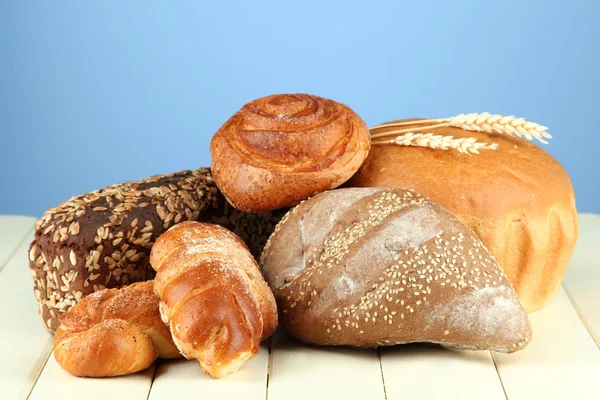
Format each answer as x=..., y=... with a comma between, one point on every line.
x=102, y=239
x=213, y=296
x=371, y=266
x=113, y=332
x=517, y=198
x=281, y=149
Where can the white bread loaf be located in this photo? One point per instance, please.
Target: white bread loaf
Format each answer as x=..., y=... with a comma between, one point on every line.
x=517, y=199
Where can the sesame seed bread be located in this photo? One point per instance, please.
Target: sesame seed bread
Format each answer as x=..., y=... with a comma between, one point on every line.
x=517, y=198
x=103, y=238
x=212, y=295
x=279, y=150
x=113, y=332
x=370, y=266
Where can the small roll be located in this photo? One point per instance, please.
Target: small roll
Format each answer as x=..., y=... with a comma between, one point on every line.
x=212, y=294
x=113, y=332
x=279, y=150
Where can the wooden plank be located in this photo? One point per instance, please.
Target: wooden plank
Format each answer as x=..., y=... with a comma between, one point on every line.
x=184, y=379
x=13, y=229
x=586, y=251
x=561, y=362
x=430, y=372
x=56, y=384
x=582, y=280
x=583, y=287
x=26, y=344
x=303, y=372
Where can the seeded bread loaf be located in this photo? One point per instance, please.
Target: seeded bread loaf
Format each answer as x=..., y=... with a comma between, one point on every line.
x=370, y=267
x=254, y=229
x=103, y=239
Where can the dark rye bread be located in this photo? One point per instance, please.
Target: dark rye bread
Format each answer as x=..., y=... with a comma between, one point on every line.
x=253, y=229
x=370, y=267
x=102, y=239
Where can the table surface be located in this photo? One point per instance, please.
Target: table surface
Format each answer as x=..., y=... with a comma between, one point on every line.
x=562, y=361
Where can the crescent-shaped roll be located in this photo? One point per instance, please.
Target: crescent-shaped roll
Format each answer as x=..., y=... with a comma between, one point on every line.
x=213, y=296
x=279, y=150
x=113, y=332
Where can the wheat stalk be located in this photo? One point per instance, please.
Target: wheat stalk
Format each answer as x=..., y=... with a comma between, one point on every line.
x=483, y=122
x=433, y=141
x=490, y=123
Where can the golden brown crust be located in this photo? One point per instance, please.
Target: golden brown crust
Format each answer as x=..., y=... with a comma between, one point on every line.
x=281, y=149
x=213, y=296
x=109, y=348
x=113, y=332
x=517, y=198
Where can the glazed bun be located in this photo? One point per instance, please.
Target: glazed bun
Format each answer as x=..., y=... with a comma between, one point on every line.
x=517, y=198
x=279, y=150
x=369, y=267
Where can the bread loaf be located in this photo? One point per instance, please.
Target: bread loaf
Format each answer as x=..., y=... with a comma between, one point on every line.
x=372, y=267
x=102, y=239
x=213, y=296
x=113, y=332
x=517, y=199
x=281, y=149
x=253, y=228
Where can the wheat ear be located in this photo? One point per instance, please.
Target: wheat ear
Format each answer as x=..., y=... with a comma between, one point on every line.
x=490, y=123
x=433, y=141
x=483, y=122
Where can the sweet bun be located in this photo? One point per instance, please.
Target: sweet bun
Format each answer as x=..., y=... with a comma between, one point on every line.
x=113, y=332
x=212, y=295
x=517, y=198
x=369, y=267
x=279, y=150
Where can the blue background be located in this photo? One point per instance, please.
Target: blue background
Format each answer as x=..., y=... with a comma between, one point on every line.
x=93, y=93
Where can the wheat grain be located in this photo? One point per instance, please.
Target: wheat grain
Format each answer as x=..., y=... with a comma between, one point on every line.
x=433, y=141
x=494, y=123
x=482, y=122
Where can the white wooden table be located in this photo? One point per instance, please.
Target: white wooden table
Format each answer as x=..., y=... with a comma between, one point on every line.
x=562, y=361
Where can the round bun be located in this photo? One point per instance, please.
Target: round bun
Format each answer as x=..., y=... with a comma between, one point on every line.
x=517, y=198
x=279, y=150
x=369, y=266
